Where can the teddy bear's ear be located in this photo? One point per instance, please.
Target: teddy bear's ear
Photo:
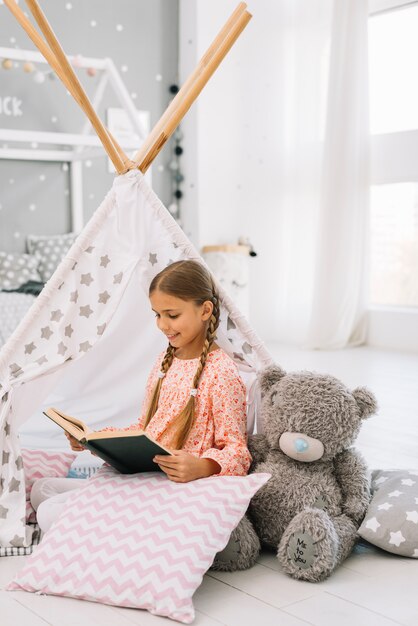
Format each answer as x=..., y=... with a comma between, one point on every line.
x=269, y=376
x=366, y=401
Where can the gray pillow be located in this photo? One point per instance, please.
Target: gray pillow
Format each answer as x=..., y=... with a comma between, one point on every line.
x=391, y=521
x=50, y=250
x=16, y=269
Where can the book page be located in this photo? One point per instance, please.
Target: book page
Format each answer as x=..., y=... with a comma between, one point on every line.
x=72, y=425
x=110, y=434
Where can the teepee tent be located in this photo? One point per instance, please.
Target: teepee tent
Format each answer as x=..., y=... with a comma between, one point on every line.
x=89, y=340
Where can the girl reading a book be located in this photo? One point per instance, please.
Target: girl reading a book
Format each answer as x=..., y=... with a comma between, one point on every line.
x=195, y=399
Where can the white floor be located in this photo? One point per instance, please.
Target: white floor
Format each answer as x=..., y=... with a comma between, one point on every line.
x=372, y=588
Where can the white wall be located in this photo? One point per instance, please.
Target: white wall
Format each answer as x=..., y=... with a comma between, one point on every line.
x=232, y=140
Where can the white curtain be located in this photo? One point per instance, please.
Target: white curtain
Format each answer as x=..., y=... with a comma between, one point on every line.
x=323, y=199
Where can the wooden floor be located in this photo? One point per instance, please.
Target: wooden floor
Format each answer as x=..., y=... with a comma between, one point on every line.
x=372, y=588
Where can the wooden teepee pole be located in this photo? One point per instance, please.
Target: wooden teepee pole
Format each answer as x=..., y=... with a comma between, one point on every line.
x=68, y=77
x=212, y=60
x=119, y=159
x=179, y=106
x=183, y=92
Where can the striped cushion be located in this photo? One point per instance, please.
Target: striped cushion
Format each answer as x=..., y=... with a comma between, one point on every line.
x=19, y=551
x=42, y=463
x=139, y=540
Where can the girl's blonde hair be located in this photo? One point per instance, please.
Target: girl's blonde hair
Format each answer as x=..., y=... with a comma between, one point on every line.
x=187, y=280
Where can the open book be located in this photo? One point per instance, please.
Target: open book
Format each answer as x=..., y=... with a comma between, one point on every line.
x=128, y=451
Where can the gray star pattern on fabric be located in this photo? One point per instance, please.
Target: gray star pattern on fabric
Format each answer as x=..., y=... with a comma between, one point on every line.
x=86, y=345
x=74, y=296
x=86, y=311
x=74, y=266
x=2, y=481
x=101, y=329
x=175, y=245
x=62, y=348
x=42, y=360
x=19, y=462
x=60, y=285
x=104, y=297
x=3, y=512
x=15, y=369
x=86, y=279
x=46, y=332
x=5, y=457
x=152, y=258
x=6, y=429
x=56, y=315
x=68, y=330
x=17, y=542
x=30, y=347
x=14, y=485
x=117, y=278
x=104, y=261
x=238, y=356
x=90, y=249
x=246, y=348
x=230, y=324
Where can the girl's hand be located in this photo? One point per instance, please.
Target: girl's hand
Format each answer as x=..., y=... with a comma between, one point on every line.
x=183, y=467
x=74, y=444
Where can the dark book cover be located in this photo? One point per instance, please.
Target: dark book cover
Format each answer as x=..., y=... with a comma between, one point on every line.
x=129, y=455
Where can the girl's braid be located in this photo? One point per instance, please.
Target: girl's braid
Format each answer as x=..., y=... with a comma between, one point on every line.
x=168, y=359
x=165, y=365
x=210, y=337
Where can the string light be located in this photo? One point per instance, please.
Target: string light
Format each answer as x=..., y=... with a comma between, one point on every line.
x=174, y=166
x=39, y=78
x=38, y=75
x=77, y=60
x=28, y=67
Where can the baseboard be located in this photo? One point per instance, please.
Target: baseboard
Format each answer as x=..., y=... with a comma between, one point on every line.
x=393, y=328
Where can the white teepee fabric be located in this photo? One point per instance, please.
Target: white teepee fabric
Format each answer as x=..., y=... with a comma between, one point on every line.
x=89, y=340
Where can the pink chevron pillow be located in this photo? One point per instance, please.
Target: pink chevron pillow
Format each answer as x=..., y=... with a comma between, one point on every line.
x=138, y=540
x=42, y=463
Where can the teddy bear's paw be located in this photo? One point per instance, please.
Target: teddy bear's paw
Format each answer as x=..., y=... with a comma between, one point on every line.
x=355, y=507
x=241, y=551
x=309, y=546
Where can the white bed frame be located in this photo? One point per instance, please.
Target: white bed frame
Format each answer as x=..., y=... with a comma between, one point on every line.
x=83, y=145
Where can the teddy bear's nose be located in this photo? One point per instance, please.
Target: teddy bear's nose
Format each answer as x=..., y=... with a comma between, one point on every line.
x=301, y=445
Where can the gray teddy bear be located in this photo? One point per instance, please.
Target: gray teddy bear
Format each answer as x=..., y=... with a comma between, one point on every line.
x=318, y=493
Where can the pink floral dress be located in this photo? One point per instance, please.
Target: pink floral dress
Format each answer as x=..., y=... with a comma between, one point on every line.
x=220, y=428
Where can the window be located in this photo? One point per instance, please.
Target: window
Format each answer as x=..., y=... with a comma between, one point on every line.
x=393, y=71
x=393, y=67
x=394, y=244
